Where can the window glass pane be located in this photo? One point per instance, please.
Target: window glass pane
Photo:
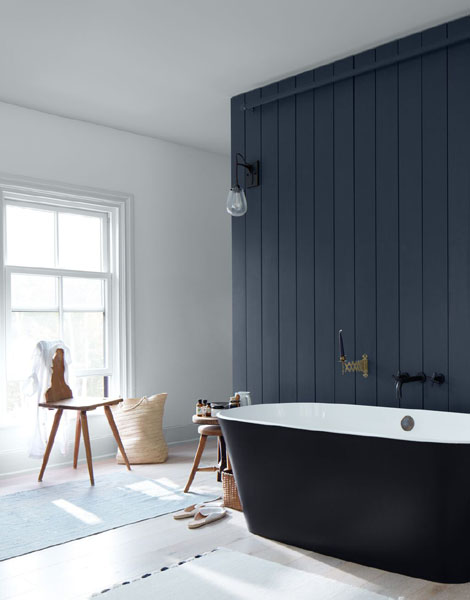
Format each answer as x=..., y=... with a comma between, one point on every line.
x=27, y=329
x=16, y=402
x=30, y=237
x=84, y=334
x=33, y=291
x=80, y=242
x=90, y=386
x=81, y=293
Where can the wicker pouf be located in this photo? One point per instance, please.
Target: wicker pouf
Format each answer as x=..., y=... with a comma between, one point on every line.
x=140, y=427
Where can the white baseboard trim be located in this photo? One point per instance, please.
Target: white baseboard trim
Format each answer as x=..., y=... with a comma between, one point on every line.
x=51, y=466
x=179, y=434
x=16, y=461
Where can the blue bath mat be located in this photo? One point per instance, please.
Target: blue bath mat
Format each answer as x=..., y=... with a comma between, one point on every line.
x=48, y=516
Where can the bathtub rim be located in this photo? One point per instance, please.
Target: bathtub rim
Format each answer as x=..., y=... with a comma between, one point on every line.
x=236, y=414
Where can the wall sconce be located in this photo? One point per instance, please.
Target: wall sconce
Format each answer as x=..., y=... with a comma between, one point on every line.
x=236, y=199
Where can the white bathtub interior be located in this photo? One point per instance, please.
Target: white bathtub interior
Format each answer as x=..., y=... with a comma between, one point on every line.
x=355, y=419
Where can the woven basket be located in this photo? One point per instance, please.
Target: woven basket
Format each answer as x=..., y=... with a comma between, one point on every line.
x=229, y=487
x=140, y=427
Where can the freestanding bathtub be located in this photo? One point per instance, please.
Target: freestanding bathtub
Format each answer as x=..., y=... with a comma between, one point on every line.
x=349, y=481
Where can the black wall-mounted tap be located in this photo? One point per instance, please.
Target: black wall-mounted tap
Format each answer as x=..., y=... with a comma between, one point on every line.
x=402, y=377
x=438, y=378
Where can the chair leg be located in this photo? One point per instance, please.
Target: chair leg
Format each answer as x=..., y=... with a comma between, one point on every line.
x=219, y=460
x=221, y=457
x=86, y=440
x=78, y=429
x=117, y=437
x=197, y=460
x=223, y=453
x=50, y=441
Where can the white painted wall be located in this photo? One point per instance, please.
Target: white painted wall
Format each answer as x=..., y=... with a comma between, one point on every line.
x=182, y=270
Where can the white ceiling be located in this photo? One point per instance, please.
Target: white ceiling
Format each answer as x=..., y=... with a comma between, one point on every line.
x=167, y=68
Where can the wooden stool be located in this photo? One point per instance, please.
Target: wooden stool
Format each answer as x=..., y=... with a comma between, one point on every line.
x=204, y=432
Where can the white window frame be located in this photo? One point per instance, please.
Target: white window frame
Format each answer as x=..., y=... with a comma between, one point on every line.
x=117, y=208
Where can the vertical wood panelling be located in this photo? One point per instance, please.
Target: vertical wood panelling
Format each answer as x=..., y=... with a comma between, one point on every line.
x=324, y=240
x=365, y=253
x=270, y=247
x=410, y=212
x=435, y=306
x=387, y=235
x=361, y=222
x=345, y=388
x=459, y=218
x=238, y=256
x=305, y=243
x=287, y=248
x=254, y=342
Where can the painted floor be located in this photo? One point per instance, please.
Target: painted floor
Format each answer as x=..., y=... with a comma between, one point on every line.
x=76, y=569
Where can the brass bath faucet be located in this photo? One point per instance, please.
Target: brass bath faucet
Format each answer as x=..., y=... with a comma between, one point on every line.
x=351, y=366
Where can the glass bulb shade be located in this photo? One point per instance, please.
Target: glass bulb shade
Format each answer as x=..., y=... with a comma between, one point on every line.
x=236, y=202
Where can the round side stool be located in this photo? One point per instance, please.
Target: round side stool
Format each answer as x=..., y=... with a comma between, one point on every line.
x=204, y=432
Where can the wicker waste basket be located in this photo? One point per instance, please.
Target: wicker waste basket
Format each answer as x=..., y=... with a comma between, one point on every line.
x=230, y=491
x=140, y=427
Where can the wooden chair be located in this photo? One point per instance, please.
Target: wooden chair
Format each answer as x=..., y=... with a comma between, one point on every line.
x=204, y=432
x=60, y=397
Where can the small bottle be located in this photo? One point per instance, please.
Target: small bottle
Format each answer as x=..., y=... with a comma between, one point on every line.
x=207, y=409
x=234, y=402
x=199, y=407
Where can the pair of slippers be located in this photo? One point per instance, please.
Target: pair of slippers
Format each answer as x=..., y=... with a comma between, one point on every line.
x=201, y=514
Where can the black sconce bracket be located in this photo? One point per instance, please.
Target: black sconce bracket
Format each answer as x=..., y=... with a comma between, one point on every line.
x=251, y=172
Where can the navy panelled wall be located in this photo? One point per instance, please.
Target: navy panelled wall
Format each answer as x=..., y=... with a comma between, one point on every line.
x=361, y=222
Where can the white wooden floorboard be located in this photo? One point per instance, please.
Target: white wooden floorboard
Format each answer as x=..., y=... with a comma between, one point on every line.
x=81, y=567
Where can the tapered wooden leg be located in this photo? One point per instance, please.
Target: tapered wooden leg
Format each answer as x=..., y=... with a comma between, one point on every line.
x=50, y=441
x=197, y=460
x=223, y=452
x=78, y=429
x=86, y=440
x=109, y=413
x=221, y=456
x=219, y=460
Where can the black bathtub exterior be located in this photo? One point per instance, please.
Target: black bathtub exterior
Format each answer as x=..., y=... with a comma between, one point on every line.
x=396, y=505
